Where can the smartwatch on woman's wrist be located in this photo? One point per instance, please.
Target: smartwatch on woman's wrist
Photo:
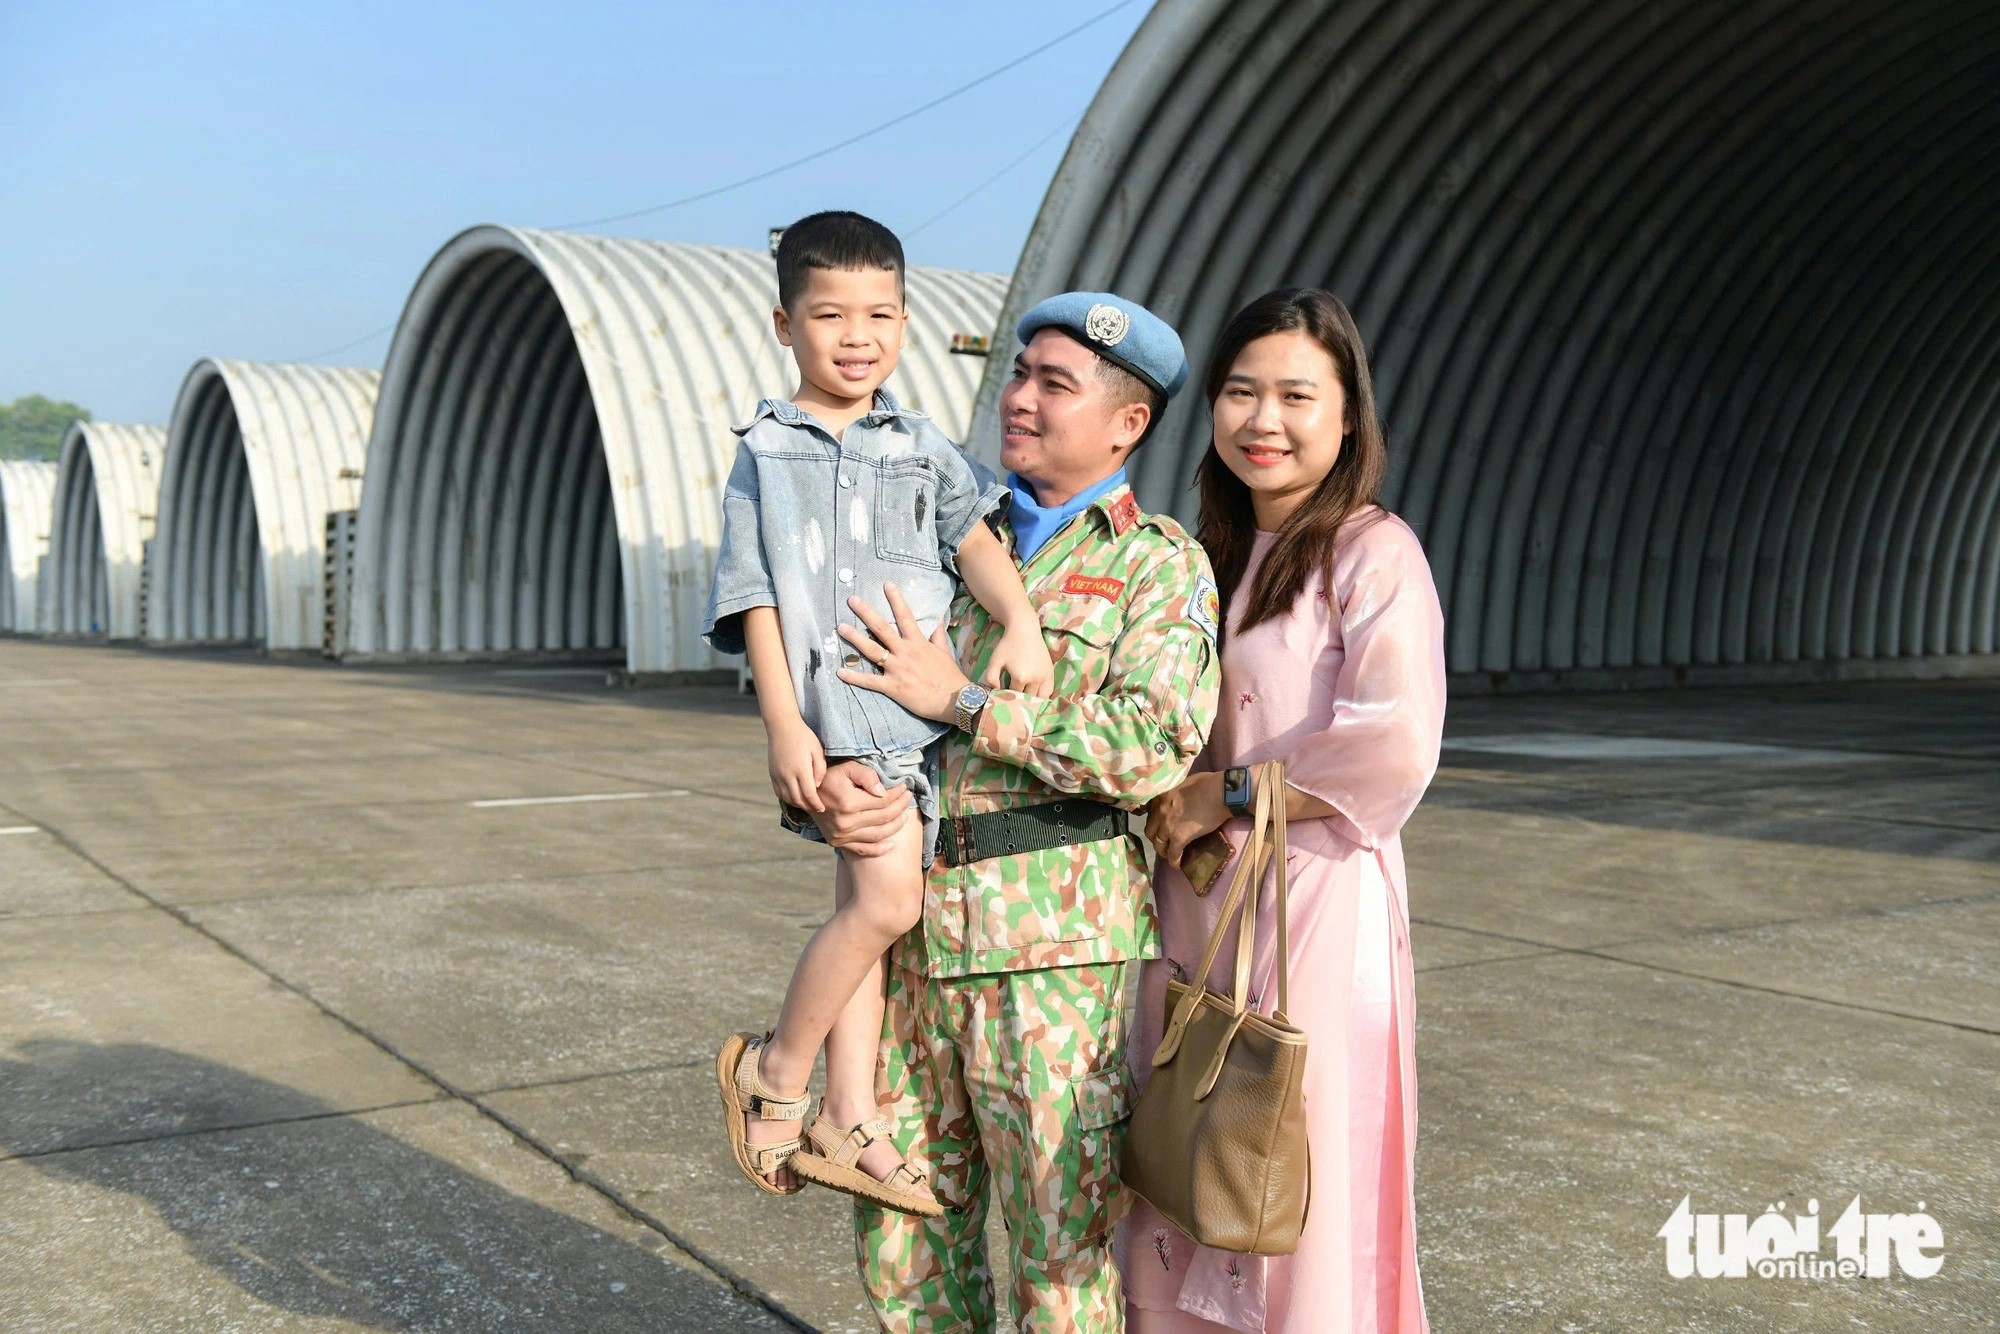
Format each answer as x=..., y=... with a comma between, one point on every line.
x=1236, y=791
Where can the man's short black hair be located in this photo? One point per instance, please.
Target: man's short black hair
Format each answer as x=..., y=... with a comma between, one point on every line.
x=834, y=240
x=1125, y=388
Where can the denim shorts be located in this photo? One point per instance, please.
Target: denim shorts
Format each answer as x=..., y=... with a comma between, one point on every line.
x=914, y=769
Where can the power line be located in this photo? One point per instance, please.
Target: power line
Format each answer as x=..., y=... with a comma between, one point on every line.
x=831, y=149
x=980, y=188
x=852, y=140
x=356, y=342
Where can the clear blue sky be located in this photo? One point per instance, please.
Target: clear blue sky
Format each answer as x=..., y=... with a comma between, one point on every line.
x=265, y=180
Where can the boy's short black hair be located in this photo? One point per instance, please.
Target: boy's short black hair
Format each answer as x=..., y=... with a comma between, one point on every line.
x=834, y=240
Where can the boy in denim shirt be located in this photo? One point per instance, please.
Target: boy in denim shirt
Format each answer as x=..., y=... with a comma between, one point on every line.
x=833, y=494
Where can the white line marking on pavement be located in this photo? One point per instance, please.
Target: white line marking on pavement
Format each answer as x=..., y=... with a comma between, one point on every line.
x=588, y=796
x=22, y=829
x=1579, y=746
x=556, y=671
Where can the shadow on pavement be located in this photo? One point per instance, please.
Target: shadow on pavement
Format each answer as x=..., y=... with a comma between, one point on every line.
x=331, y=1217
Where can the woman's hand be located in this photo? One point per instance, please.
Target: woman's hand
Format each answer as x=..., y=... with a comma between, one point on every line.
x=1183, y=815
x=918, y=673
x=857, y=814
x=797, y=766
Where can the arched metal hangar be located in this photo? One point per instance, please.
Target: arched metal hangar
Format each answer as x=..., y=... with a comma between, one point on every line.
x=544, y=477
x=1683, y=315
x=107, y=483
x=27, y=487
x=257, y=455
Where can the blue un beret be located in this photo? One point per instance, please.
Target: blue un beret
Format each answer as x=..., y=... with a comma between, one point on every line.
x=1123, y=332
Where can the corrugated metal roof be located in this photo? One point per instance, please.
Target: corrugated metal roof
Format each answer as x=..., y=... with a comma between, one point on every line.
x=106, y=486
x=546, y=466
x=257, y=454
x=1681, y=314
x=27, y=487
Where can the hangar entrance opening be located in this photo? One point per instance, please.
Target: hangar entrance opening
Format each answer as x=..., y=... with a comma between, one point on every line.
x=12, y=617
x=10, y=611
x=1682, y=317
x=551, y=439
x=499, y=539
x=79, y=585
x=216, y=568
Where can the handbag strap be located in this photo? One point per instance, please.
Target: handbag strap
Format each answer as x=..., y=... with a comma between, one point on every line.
x=1246, y=925
x=1242, y=891
x=1274, y=774
x=1241, y=901
x=1271, y=781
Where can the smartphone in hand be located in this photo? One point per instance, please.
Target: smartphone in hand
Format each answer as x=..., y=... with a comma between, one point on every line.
x=1203, y=859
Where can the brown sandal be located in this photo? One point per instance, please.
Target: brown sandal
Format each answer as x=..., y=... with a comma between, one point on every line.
x=744, y=1094
x=832, y=1157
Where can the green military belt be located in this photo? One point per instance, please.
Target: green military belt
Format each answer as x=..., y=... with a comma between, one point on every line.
x=974, y=838
x=1049, y=824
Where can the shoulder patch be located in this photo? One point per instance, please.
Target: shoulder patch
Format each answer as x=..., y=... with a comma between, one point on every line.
x=1205, y=607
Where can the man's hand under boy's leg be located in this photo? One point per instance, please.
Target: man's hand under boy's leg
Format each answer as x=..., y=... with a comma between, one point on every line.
x=861, y=817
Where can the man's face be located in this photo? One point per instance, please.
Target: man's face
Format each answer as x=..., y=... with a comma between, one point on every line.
x=1059, y=426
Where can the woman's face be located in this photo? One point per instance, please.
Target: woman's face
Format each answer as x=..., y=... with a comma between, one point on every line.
x=1280, y=421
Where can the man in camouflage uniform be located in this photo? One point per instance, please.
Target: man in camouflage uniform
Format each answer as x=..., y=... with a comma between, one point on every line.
x=1003, y=1049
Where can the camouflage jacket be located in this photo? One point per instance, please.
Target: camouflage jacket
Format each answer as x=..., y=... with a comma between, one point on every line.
x=1128, y=607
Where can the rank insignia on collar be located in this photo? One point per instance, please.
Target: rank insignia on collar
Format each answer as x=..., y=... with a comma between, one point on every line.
x=1124, y=514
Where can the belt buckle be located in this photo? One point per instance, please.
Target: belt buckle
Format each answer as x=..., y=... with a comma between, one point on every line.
x=961, y=841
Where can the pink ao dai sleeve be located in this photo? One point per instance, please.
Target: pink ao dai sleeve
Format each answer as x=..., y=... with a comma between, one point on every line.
x=1374, y=760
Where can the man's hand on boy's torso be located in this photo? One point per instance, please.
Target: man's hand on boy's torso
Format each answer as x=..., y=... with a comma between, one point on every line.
x=1127, y=606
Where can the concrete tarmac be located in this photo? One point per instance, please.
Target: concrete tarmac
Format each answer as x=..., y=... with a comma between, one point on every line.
x=344, y=999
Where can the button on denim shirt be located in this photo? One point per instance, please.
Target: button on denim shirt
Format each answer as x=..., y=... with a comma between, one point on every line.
x=808, y=521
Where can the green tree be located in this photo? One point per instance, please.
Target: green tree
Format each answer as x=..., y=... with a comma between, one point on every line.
x=33, y=427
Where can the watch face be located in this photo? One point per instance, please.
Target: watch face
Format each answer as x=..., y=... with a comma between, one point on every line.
x=970, y=701
x=1236, y=790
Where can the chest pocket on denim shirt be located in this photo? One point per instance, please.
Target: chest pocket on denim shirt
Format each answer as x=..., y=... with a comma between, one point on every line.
x=906, y=513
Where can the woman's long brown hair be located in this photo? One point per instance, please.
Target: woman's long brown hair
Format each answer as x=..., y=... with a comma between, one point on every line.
x=1227, y=523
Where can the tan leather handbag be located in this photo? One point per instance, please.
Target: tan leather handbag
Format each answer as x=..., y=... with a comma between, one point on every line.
x=1217, y=1142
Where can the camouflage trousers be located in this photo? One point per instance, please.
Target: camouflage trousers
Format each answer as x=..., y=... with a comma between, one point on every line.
x=1015, y=1081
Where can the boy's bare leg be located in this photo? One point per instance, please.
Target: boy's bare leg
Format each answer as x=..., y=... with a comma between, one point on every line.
x=852, y=1051
x=882, y=899
x=852, y=1046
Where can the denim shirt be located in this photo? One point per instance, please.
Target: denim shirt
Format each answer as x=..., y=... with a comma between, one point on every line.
x=808, y=521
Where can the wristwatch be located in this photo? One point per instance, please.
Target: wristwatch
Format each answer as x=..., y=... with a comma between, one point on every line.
x=1236, y=791
x=965, y=712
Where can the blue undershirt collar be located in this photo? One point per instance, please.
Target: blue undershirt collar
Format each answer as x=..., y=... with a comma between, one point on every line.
x=1034, y=523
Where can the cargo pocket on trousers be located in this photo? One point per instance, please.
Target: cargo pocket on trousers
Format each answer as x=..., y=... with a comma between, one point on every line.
x=1102, y=1103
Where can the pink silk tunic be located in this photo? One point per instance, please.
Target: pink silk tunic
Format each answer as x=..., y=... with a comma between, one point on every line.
x=1348, y=689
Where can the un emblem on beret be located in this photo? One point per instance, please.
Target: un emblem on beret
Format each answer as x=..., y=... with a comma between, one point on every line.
x=1107, y=324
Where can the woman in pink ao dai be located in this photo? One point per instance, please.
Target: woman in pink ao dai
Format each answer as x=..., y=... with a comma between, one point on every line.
x=1332, y=661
